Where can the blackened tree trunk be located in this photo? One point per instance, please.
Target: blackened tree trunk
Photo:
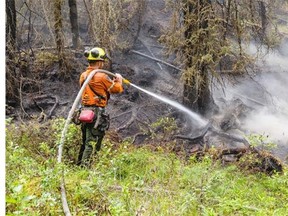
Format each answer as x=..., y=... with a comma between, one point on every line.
x=74, y=23
x=264, y=21
x=12, y=81
x=197, y=95
x=10, y=25
x=58, y=26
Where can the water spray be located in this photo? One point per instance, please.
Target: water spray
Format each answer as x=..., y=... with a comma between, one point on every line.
x=175, y=104
x=199, y=120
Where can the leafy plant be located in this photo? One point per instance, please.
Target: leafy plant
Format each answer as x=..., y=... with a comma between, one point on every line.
x=129, y=180
x=261, y=141
x=162, y=130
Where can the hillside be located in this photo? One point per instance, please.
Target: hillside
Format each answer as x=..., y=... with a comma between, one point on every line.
x=156, y=159
x=44, y=94
x=128, y=180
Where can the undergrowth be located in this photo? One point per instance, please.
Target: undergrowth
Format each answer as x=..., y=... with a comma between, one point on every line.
x=128, y=180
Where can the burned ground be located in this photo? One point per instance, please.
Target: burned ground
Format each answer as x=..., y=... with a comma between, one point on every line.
x=45, y=94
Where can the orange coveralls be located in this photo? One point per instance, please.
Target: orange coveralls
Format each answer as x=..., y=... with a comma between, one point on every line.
x=102, y=85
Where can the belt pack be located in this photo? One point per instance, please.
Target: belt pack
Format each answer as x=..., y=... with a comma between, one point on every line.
x=97, y=115
x=87, y=115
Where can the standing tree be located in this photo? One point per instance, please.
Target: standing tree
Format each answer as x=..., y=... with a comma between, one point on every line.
x=58, y=26
x=74, y=23
x=11, y=78
x=10, y=26
x=212, y=36
x=112, y=24
x=198, y=55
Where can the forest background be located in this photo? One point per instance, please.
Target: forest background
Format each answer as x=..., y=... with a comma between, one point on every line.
x=124, y=106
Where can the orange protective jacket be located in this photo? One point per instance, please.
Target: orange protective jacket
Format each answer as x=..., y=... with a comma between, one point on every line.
x=102, y=85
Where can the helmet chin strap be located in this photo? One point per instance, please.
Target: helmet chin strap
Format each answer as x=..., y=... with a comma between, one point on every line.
x=101, y=64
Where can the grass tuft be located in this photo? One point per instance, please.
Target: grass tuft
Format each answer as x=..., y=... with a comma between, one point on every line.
x=129, y=180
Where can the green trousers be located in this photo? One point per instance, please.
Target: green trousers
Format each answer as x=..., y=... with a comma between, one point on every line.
x=92, y=138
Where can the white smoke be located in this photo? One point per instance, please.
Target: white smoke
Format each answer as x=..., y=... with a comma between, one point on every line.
x=267, y=94
x=271, y=125
x=271, y=118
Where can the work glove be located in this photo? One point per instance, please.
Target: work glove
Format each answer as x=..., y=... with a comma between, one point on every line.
x=118, y=78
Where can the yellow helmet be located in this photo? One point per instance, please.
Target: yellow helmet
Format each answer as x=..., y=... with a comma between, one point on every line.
x=96, y=54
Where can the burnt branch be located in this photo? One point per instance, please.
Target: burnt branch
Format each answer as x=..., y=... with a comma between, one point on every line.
x=155, y=59
x=54, y=106
x=213, y=130
x=230, y=136
x=121, y=114
x=138, y=135
x=43, y=115
x=193, y=140
x=130, y=121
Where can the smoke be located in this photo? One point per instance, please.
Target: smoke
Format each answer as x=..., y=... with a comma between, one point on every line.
x=271, y=118
x=269, y=124
x=267, y=94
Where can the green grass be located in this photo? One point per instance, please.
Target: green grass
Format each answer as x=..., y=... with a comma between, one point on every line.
x=126, y=180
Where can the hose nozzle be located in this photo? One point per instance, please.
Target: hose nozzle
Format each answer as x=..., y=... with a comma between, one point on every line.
x=125, y=81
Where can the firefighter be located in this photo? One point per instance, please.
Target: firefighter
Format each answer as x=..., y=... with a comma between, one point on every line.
x=95, y=97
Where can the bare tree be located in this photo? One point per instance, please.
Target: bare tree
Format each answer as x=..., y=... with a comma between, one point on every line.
x=74, y=23
x=58, y=26
x=264, y=21
x=10, y=25
x=112, y=24
x=11, y=78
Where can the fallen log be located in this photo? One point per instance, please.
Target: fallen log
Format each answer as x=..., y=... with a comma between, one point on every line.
x=212, y=129
x=193, y=140
x=155, y=59
x=261, y=161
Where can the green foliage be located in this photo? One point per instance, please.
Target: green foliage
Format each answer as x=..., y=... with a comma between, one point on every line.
x=32, y=177
x=258, y=159
x=166, y=125
x=129, y=180
x=261, y=141
x=73, y=138
x=161, y=133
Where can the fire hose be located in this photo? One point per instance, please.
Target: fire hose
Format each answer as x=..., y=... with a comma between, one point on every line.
x=64, y=131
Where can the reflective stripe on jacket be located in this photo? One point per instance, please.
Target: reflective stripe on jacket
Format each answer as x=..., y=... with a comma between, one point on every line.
x=102, y=85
